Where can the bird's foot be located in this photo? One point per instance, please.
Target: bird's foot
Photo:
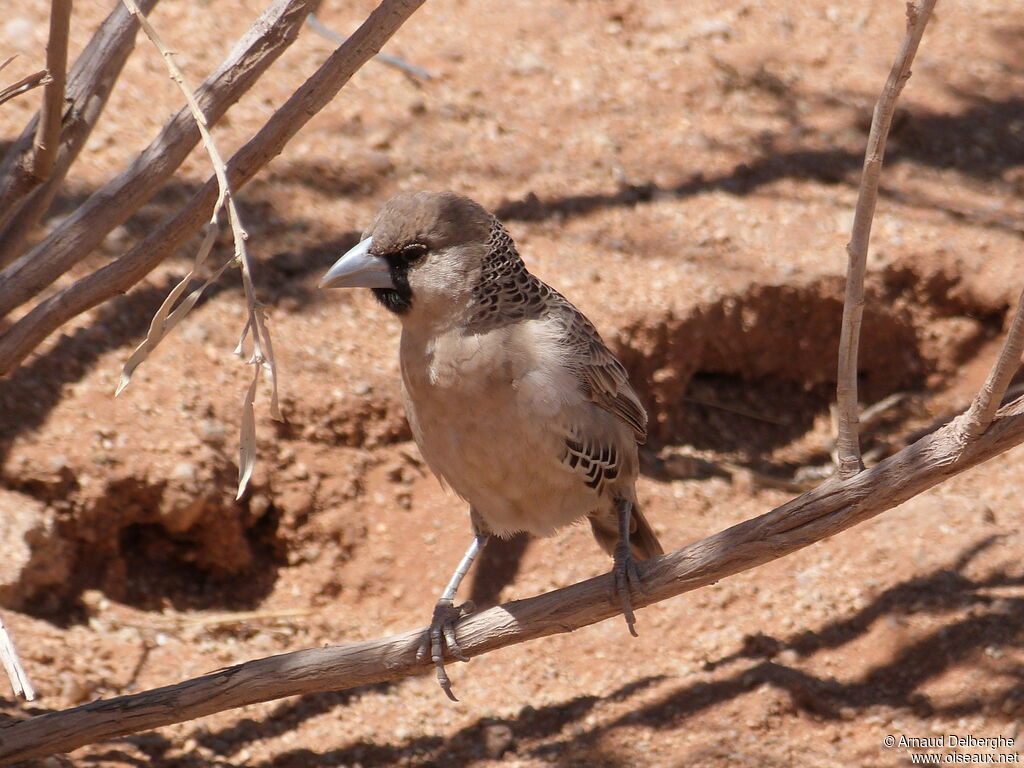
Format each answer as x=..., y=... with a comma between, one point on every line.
x=440, y=634
x=626, y=576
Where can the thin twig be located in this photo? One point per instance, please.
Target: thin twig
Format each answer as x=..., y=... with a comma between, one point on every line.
x=241, y=617
x=416, y=73
x=738, y=410
x=24, y=85
x=20, y=339
x=20, y=683
x=827, y=510
x=52, y=112
x=984, y=406
x=262, y=356
x=847, y=439
x=202, y=621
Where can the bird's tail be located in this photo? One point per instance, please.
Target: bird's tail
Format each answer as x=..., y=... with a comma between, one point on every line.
x=642, y=539
x=643, y=542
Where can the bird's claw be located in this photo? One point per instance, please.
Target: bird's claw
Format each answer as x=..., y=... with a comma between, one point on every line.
x=626, y=576
x=440, y=634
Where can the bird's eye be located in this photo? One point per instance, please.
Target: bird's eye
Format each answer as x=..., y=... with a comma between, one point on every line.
x=412, y=253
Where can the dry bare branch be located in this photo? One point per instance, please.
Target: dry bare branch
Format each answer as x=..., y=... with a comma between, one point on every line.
x=112, y=204
x=848, y=439
x=825, y=511
x=262, y=355
x=20, y=683
x=24, y=85
x=117, y=277
x=23, y=200
x=984, y=406
x=48, y=129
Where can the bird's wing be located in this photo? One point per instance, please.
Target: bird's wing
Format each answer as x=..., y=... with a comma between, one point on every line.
x=601, y=376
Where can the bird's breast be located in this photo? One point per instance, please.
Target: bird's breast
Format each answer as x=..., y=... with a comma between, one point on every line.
x=507, y=369
x=490, y=413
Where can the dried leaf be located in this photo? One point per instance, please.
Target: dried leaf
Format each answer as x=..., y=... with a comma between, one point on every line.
x=247, y=441
x=24, y=85
x=164, y=320
x=240, y=347
x=12, y=664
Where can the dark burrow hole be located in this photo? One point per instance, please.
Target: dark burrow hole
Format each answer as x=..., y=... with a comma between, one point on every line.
x=150, y=568
x=748, y=419
x=157, y=568
x=750, y=379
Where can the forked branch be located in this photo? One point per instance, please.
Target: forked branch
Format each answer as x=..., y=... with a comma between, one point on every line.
x=984, y=406
x=848, y=438
x=822, y=512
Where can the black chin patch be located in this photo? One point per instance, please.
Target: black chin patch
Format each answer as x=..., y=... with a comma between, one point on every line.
x=393, y=300
x=399, y=298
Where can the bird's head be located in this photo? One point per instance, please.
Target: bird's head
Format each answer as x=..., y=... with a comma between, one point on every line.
x=422, y=255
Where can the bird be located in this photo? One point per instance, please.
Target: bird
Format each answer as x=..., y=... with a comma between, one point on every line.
x=513, y=398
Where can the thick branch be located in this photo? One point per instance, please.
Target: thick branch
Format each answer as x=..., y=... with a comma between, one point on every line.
x=825, y=511
x=120, y=275
x=48, y=131
x=115, y=201
x=847, y=440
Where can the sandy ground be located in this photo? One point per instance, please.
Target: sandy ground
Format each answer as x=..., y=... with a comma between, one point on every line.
x=687, y=177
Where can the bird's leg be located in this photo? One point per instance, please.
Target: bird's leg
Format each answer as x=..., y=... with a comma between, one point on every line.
x=446, y=613
x=624, y=572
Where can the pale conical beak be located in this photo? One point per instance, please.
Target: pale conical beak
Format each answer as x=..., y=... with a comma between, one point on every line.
x=359, y=268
